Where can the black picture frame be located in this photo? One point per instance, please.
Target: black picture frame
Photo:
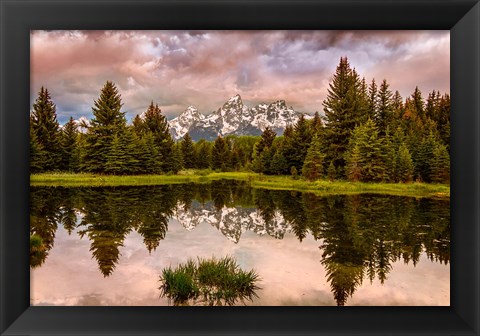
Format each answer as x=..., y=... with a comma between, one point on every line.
x=18, y=17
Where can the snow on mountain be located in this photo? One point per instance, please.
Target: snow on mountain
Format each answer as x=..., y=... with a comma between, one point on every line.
x=276, y=116
x=234, y=117
x=82, y=124
x=180, y=125
x=232, y=222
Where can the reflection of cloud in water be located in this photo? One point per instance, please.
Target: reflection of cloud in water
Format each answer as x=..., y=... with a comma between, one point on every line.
x=293, y=277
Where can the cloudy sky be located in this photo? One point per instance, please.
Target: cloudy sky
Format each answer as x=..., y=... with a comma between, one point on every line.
x=205, y=68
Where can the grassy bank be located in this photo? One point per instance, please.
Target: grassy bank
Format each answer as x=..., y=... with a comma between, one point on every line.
x=322, y=187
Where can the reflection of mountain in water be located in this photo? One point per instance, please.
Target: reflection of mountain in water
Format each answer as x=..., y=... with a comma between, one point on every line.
x=360, y=236
x=231, y=221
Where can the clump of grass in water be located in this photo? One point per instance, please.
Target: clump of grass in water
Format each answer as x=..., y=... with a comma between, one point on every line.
x=211, y=282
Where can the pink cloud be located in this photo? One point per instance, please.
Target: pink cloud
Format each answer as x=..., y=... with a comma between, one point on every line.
x=204, y=68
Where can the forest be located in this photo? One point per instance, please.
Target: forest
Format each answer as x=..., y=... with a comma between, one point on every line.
x=367, y=132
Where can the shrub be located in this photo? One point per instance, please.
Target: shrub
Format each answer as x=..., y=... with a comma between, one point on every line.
x=211, y=282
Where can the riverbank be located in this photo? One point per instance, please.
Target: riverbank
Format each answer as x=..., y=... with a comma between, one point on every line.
x=321, y=187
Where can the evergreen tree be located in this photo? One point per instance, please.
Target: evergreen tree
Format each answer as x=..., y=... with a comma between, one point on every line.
x=372, y=100
x=220, y=154
x=404, y=165
x=45, y=126
x=157, y=124
x=138, y=125
x=69, y=142
x=384, y=113
x=188, y=152
x=263, y=153
x=79, y=152
x=203, y=154
x=302, y=137
x=37, y=153
x=123, y=158
x=354, y=165
x=424, y=155
x=279, y=165
x=313, y=165
x=151, y=159
x=316, y=124
x=176, y=161
x=344, y=109
x=418, y=104
x=440, y=164
x=443, y=120
x=366, y=154
x=266, y=140
x=331, y=171
x=108, y=121
x=390, y=150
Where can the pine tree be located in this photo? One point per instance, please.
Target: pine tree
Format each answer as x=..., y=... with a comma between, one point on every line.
x=404, y=164
x=188, y=152
x=279, y=165
x=220, y=154
x=443, y=120
x=422, y=160
x=390, y=150
x=354, y=165
x=372, y=99
x=108, y=121
x=440, y=164
x=123, y=158
x=344, y=109
x=384, y=113
x=69, y=142
x=45, y=126
x=418, y=103
x=203, y=154
x=157, y=124
x=263, y=153
x=138, y=125
x=37, y=153
x=316, y=124
x=176, y=162
x=152, y=159
x=313, y=165
x=302, y=137
x=79, y=152
x=366, y=154
x=331, y=171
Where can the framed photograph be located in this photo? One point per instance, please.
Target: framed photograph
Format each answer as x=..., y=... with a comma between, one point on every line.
x=271, y=160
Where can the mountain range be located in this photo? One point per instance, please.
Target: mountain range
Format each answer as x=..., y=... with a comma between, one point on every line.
x=234, y=117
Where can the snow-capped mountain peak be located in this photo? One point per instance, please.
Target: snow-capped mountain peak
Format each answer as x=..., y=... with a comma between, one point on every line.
x=82, y=124
x=233, y=117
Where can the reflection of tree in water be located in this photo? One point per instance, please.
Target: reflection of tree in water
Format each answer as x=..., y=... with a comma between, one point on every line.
x=154, y=212
x=342, y=258
x=361, y=236
x=44, y=216
x=108, y=219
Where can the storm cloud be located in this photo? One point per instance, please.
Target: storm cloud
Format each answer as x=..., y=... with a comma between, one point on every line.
x=204, y=68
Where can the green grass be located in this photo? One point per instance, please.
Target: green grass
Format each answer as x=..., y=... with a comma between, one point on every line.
x=210, y=282
x=321, y=187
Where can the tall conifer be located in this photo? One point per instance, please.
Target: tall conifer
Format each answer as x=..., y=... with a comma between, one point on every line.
x=108, y=120
x=45, y=126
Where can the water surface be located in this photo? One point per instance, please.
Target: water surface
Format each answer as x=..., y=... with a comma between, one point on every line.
x=108, y=246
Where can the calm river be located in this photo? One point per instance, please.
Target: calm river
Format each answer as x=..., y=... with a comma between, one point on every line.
x=108, y=246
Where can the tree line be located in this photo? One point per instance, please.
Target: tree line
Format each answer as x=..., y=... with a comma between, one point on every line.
x=367, y=133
